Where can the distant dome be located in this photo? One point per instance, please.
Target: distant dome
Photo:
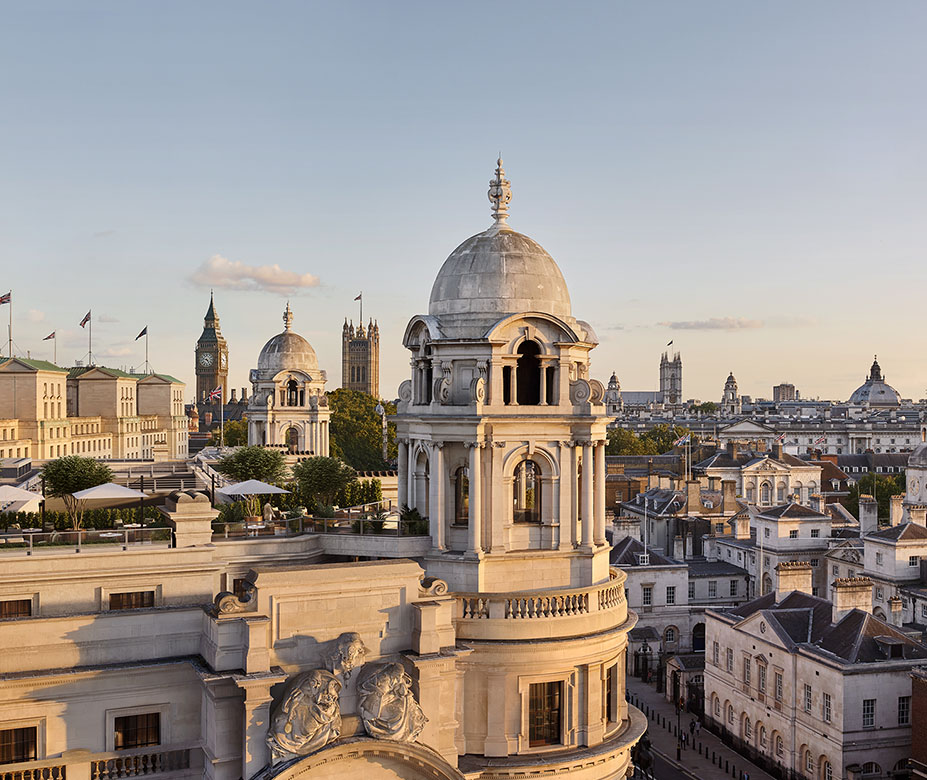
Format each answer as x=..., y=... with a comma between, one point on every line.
x=498, y=272
x=918, y=458
x=288, y=351
x=875, y=391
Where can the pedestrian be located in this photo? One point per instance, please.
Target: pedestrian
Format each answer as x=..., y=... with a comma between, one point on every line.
x=685, y=740
x=698, y=729
x=692, y=727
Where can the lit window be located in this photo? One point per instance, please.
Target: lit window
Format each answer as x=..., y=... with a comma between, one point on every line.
x=544, y=713
x=135, y=731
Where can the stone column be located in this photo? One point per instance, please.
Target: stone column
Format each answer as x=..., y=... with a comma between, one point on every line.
x=588, y=495
x=495, y=383
x=564, y=498
x=513, y=384
x=496, y=743
x=436, y=496
x=475, y=545
x=402, y=489
x=543, y=398
x=599, y=513
x=498, y=515
x=255, y=754
x=412, y=481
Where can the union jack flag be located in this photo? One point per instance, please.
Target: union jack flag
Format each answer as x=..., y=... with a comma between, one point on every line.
x=780, y=437
x=6, y=298
x=216, y=394
x=820, y=440
x=684, y=439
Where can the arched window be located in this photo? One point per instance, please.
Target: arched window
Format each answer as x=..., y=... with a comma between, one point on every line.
x=670, y=634
x=763, y=742
x=780, y=493
x=528, y=374
x=717, y=708
x=527, y=493
x=748, y=730
x=780, y=746
x=809, y=764
x=292, y=393
x=871, y=768
x=765, y=493
x=730, y=714
x=292, y=439
x=827, y=771
x=462, y=496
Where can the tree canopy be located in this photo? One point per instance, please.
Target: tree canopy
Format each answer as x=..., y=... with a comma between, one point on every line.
x=320, y=479
x=706, y=407
x=876, y=485
x=236, y=434
x=254, y=463
x=71, y=474
x=356, y=430
x=656, y=441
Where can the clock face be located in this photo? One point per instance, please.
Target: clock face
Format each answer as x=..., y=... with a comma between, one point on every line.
x=206, y=359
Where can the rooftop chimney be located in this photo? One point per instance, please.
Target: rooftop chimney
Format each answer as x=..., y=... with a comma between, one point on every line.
x=693, y=497
x=896, y=616
x=851, y=593
x=244, y=394
x=897, y=512
x=917, y=513
x=777, y=450
x=233, y=399
x=792, y=575
x=728, y=496
x=868, y=515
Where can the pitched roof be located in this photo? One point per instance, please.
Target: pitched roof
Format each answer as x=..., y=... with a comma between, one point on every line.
x=901, y=533
x=625, y=553
x=793, y=511
x=78, y=371
x=38, y=365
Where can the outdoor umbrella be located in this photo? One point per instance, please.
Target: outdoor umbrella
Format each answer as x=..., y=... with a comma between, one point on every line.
x=9, y=493
x=109, y=490
x=251, y=487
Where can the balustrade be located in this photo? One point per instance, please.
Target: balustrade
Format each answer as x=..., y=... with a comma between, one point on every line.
x=138, y=764
x=56, y=772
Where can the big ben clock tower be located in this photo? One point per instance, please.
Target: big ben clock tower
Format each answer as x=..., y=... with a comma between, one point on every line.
x=212, y=358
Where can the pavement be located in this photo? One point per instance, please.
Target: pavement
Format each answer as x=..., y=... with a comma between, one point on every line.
x=705, y=757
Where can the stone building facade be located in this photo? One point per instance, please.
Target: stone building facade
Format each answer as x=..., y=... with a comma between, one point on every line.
x=360, y=358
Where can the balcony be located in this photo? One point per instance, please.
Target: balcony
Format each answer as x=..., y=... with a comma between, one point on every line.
x=543, y=614
x=177, y=763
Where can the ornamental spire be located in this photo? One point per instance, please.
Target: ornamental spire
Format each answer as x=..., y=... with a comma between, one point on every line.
x=287, y=317
x=500, y=194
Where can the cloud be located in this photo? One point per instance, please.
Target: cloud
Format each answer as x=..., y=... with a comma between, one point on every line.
x=106, y=318
x=219, y=271
x=714, y=323
x=104, y=233
x=34, y=315
x=615, y=327
x=113, y=352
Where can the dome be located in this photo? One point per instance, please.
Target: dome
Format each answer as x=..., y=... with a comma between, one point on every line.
x=288, y=351
x=918, y=458
x=875, y=391
x=498, y=272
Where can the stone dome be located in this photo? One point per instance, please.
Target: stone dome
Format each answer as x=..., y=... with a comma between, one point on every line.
x=288, y=351
x=918, y=458
x=498, y=272
x=875, y=391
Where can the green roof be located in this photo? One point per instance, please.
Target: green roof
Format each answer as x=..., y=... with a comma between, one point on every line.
x=77, y=371
x=165, y=377
x=38, y=365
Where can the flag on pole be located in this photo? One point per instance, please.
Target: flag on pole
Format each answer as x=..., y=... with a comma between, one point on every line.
x=86, y=319
x=820, y=440
x=780, y=437
x=359, y=297
x=143, y=333
x=670, y=343
x=6, y=298
x=684, y=439
x=216, y=394
x=49, y=336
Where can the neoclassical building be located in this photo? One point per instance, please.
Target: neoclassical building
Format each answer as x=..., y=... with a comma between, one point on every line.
x=288, y=404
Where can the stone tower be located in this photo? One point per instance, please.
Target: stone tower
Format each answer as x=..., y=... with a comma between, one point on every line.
x=501, y=435
x=613, y=396
x=730, y=400
x=671, y=379
x=360, y=358
x=212, y=357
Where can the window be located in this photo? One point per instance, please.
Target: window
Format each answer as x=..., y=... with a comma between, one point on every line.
x=730, y=660
x=136, y=600
x=763, y=737
x=670, y=635
x=18, y=745
x=15, y=608
x=807, y=698
x=793, y=534
x=904, y=710
x=733, y=587
x=879, y=594
x=815, y=533
x=719, y=528
x=836, y=571
x=778, y=691
x=462, y=496
x=611, y=698
x=647, y=595
x=527, y=493
x=814, y=562
x=712, y=589
x=691, y=591
x=544, y=713
x=809, y=763
x=747, y=663
x=825, y=707
x=717, y=708
x=670, y=594
x=761, y=677
x=828, y=771
x=780, y=747
x=924, y=610
x=914, y=560
x=715, y=649
x=730, y=714
x=135, y=731
x=748, y=729
x=878, y=559
x=871, y=768
x=869, y=713
x=766, y=533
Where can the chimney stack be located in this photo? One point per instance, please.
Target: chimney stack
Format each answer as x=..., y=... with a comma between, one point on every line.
x=851, y=593
x=728, y=496
x=917, y=513
x=868, y=515
x=777, y=450
x=896, y=616
x=693, y=497
x=792, y=575
x=897, y=510
x=244, y=395
x=233, y=399
x=679, y=552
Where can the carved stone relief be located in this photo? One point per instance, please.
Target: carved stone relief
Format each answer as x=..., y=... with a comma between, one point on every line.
x=386, y=704
x=346, y=655
x=308, y=716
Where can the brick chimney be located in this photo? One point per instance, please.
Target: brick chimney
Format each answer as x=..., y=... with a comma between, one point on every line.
x=897, y=511
x=851, y=593
x=693, y=497
x=728, y=496
x=244, y=395
x=868, y=515
x=777, y=450
x=917, y=513
x=792, y=575
x=895, y=616
x=233, y=399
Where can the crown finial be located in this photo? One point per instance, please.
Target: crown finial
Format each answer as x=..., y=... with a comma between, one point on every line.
x=288, y=317
x=500, y=194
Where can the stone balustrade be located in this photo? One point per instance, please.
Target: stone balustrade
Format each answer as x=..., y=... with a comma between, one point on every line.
x=557, y=612
x=177, y=763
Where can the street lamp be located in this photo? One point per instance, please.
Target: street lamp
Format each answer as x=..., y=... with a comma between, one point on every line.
x=381, y=410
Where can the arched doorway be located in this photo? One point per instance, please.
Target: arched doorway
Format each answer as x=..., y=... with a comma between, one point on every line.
x=698, y=638
x=767, y=585
x=292, y=439
x=528, y=374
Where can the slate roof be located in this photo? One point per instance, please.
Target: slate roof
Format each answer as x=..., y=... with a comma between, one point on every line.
x=625, y=553
x=660, y=501
x=714, y=569
x=793, y=511
x=905, y=532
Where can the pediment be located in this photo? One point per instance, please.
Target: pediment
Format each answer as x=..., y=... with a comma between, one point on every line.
x=759, y=625
x=746, y=428
x=766, y=465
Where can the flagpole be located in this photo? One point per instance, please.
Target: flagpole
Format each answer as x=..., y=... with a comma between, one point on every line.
x=147, y=366
x=221, y=418
x=10, y=331
x=361, y=296
x=55, y=359
x=90, y=342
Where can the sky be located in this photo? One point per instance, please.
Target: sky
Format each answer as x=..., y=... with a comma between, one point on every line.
x=744, y=179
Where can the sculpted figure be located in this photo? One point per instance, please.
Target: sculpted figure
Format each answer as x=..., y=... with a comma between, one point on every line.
x=387, y=706
x=347, y=654
x=308, y=716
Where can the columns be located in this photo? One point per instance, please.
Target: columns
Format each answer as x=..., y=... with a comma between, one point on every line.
x=588, y=495
x=255, y=754
x=436, y=496
x=565, y=496
x=599, y=514
x=403, y=487
x=475, y=542
x=501, y=504
x=496, y=395
x=543, y=395
x=513, y=384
